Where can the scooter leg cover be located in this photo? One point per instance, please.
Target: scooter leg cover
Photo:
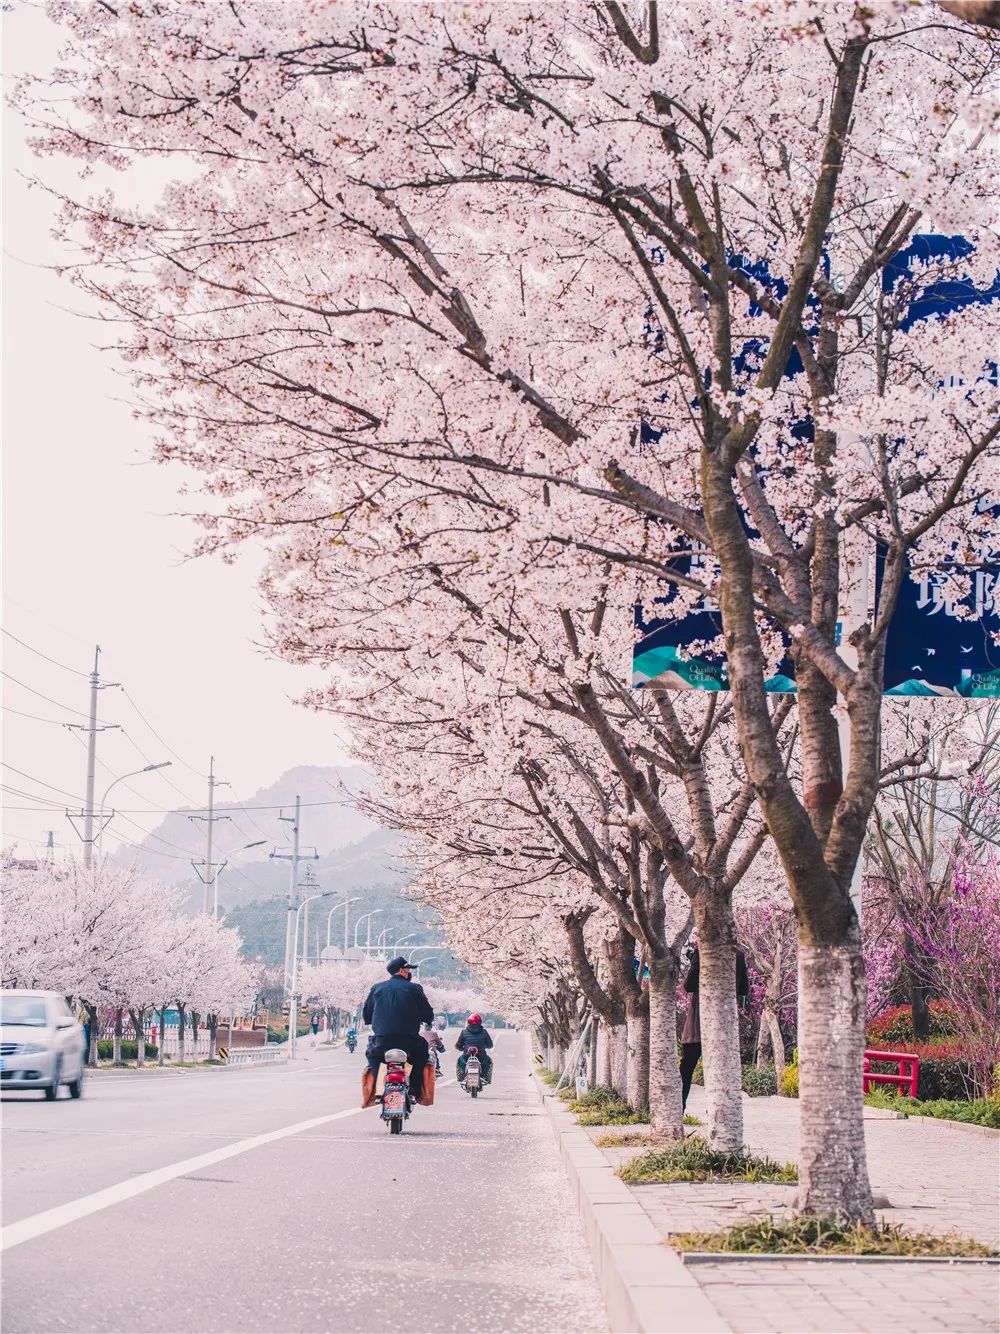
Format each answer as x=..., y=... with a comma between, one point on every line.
x=367, y=1088
x=426, y=1098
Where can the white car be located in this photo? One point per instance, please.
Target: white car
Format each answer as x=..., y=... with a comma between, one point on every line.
x=41, y=1044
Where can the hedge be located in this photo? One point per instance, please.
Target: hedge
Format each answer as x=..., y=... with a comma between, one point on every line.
x=130, y=1049
x=896, y=1025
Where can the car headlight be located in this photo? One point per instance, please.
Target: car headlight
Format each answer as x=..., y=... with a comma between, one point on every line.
x=32, y=1048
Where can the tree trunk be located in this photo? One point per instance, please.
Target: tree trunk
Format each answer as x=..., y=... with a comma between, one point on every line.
x=833, y=1170
x=605, y=1074
x=139, y=1024
x=181, y=1025
x=213, y=1030
x=777, y=1044
x=92, y=1059
x=163, y=1033
x=720, y=1026
x=116, y=1049
x=637, y=1056
x=595, y=1037
x=765, y=1042
x=665, y=1110
x=619, y=1060
x=917, y=974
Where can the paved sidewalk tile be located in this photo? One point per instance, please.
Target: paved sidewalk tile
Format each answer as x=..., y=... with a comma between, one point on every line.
x=935, y=1179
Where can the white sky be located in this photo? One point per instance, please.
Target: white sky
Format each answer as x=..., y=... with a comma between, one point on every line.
x=94, y=552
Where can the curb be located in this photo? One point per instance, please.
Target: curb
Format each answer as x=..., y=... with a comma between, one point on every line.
x=645, y=1287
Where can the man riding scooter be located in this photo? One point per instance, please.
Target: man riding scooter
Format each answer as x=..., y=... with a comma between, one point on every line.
x=395, y=1010
x=474, y=1035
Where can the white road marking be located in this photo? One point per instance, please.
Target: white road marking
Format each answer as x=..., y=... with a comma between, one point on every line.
x=15, y=1234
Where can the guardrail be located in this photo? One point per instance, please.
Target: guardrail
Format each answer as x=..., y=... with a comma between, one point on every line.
x=257, y=1055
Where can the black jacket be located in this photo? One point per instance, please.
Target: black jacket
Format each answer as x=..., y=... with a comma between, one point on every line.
x=474, y=1035
x=397, y=1007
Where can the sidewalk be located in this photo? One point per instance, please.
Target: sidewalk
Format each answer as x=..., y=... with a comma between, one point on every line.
x=931, y=1176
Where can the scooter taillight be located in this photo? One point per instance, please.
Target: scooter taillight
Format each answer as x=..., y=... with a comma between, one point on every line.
x=395, y=1076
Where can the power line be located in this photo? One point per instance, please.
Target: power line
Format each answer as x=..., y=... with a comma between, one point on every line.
x=48, y=699
x=180, y=810
x=41, y=782
x=139, y=751
x=55, y=662
x=56, y=722
x=34, y=796
x=159, y=738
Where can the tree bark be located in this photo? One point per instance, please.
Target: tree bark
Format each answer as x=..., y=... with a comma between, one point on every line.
x=719, y=1016
x=619, y=1060
x=833, y=1170
x=139, y=1024
x=92, y=1058
x=181, y=1025
x=605, y=1074
x=777, y=1044
x=637, y=1055
x=116, y=1046
x=765, y=1042
x=163, y=1030
x=213, y=1029
x=665, y=1111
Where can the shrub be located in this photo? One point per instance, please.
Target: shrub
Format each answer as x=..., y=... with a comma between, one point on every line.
x=759, y=1083
x=818, y=1236
x=982, y=1112
x=945, y=1071
x=896, y=1025
x=130, y=1050
x=695, y=1160
x=790, y=1082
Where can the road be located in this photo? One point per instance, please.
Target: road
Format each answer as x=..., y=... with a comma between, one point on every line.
x=143, y=1207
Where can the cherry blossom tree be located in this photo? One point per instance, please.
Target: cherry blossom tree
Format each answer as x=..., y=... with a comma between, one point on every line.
x=420, y=249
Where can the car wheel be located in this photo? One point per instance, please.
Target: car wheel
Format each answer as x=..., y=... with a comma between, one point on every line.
x=76, y=1085
x=52, y=1090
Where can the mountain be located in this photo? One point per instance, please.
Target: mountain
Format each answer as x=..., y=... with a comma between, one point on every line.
x=329, y=820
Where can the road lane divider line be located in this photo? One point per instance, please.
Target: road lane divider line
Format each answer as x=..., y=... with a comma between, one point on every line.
x=15, y=1234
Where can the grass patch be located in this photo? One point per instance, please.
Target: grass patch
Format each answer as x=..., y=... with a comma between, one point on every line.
x=695, y=1160
x=817, y=1236
x=690, y=1120
x=980, y=1112
x=549, y=1077
x=605, y=1106
x=620, y=1141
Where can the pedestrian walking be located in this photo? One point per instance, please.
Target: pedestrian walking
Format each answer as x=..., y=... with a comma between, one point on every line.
x=314, y=1025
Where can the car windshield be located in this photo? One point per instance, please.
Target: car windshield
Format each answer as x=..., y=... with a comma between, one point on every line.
x=22, y=1011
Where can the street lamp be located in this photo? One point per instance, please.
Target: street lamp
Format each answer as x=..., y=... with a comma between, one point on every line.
x=222, y=866
x=293, y=1000
x=146, y=769
x=329, y=917
x=402, y=941
x=366, y=918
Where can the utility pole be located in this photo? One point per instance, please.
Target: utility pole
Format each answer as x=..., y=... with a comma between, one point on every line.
x=50, y=845
x=295, y=856
x=92, y=729
x=309, y=886
x=211, y=819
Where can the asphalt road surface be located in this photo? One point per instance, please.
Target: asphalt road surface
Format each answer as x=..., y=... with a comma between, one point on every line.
x=261, y=1199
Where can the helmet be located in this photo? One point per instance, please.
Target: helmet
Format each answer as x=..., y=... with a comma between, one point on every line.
x=474, y=1019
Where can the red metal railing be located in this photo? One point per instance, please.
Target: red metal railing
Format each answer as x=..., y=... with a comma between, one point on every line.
x=908, y=1071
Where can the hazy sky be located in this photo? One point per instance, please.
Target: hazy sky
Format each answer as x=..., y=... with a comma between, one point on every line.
x=94, y=552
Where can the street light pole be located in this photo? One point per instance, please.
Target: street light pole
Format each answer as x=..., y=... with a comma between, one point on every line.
x=345, y=904
x=147, y=769
x=366, y=918
x=222, y=866
x=293, y=1000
